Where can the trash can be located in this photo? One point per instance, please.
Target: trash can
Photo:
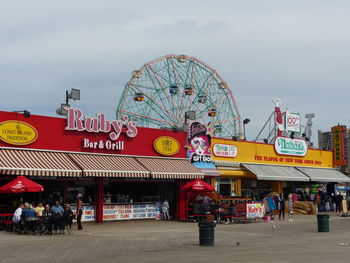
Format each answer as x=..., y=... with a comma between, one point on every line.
x=206, y=234
x=323, y=223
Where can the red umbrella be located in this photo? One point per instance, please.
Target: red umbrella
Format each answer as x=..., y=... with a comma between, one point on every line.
x=198, y=185
x=20, y=185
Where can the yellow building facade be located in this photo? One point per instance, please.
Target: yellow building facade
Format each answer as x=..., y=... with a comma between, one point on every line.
x=248, y=165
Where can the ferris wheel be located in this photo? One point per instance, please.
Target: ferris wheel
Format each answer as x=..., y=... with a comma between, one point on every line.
x=170, y=90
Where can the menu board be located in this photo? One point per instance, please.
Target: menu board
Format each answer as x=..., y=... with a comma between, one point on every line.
x=130, y=211
x=121, y=212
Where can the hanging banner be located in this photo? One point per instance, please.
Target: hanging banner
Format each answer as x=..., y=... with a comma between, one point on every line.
x=338, y=145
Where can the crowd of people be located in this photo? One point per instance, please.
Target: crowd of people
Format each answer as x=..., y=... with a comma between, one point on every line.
x=324, y=202
x=31, y=218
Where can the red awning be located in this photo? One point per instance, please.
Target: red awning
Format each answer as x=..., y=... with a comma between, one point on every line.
x=21, y=185
x=97, y=165
x=198, y=185
x=170, y=168
x=37, y=163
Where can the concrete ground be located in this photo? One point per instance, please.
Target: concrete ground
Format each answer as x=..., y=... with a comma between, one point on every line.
x=161, y=241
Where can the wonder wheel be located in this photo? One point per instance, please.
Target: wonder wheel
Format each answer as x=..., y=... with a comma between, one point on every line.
x=170, y=90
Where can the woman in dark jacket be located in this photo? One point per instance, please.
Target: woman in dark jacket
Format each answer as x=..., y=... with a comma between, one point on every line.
x=67, y=217
x=46, y=220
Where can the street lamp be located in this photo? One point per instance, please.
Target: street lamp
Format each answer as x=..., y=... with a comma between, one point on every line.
x=74, y=94
x=245, y=122
x=26, y=113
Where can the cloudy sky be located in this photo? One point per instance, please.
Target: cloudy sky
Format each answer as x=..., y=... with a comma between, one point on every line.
x=296, y=50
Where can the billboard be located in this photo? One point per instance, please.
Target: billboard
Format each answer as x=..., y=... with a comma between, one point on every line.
x=338, y=145
x=199, y=145
x=292, y=121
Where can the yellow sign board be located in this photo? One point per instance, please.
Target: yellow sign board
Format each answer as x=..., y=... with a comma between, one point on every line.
x=262, y=153
x=338, y=145
x=17, y=132
x=167, y=146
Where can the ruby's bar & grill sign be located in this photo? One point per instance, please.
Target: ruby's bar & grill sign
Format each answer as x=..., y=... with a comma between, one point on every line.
x=338, y=145
x=77, y=122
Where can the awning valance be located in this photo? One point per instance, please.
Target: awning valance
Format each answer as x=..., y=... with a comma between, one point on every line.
x=109, y=166
x=276, y=173
x=37, y=163
x=170, y=168
x=324, y=175
x=210, y=172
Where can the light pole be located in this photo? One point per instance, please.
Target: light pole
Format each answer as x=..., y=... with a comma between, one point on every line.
x=74, y=94
x=26, y=113
x=245, y=122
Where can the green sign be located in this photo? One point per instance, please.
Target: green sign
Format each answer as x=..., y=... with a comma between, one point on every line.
x=288, y=146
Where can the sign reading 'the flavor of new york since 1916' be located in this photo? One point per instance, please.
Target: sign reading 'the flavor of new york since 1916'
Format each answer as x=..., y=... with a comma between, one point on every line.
x=77, y=122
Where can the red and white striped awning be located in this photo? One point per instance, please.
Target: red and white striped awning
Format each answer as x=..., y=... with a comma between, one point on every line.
x=170, y=168
x=37, y=163
x=109, y=166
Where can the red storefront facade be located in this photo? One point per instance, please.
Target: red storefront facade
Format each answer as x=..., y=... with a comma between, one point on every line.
x=117, y=165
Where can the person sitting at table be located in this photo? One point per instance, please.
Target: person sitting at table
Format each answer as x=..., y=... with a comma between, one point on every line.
x=39, y=209
x=28, y=213
x=29, y=218
x=57, y=208
x=68, y=217
x=46, y=222
x=17, y=216
x=57, y=212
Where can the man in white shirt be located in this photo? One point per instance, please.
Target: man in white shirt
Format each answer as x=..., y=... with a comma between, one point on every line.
x=18, y=213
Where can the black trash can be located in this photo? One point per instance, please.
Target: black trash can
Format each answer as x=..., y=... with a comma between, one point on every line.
x=206, y=234
x=323, y=223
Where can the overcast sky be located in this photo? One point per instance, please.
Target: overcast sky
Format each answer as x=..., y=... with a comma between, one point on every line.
x=296, y=50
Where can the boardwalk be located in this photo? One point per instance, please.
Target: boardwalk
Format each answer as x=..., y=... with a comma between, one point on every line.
x=151, y=241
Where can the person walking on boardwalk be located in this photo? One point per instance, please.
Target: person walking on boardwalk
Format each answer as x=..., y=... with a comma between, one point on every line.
x=338, y=201
x=281, y=206
x=290, y=207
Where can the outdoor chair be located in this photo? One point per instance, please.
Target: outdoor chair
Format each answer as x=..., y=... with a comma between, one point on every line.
x=30, y=227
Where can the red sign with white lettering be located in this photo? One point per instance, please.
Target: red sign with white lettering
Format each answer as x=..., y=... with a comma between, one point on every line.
x=79, y=133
